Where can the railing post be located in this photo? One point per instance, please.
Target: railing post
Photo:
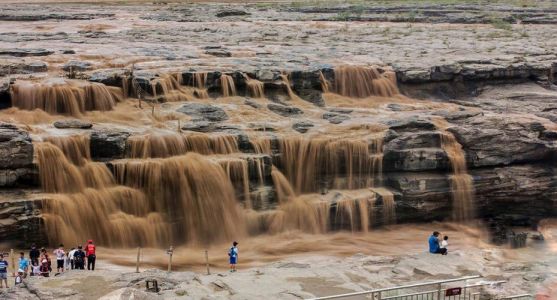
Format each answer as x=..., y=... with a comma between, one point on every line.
x=439, y=291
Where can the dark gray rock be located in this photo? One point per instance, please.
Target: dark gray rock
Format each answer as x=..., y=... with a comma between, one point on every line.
x=303, y=126
x=199, y=126
x=108, y=144
x=16, y=148
x=414, y=123
x=73, y=123
x=283, y=110
x=252, y=103
x=218, y=52
x=25, y=52
x=77, y=66
x=202, y=111
x=499, y=140
x=417, y=159
x=335, y=118
x=231, y=12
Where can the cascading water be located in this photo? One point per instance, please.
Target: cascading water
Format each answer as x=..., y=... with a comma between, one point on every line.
x=255, y=87
x=68, y=97
x=361, y=82
x=228, y=89
x=462, y=187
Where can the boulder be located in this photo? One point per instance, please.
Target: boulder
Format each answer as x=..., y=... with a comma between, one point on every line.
x=335, y=118
x=73, y=124
x=283, y=110
x=199, y=126
x=77, y=66
x=203, y=111
x=414, y=123
x=108, y=144
x=303, y=126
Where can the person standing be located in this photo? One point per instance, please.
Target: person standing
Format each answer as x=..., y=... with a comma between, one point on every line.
x=3, y=271
x=91, y=255
x=79, y=258
x=23, y=265
x=233, y=255
x=60, y=256
x=71, y=258
x=34, y=254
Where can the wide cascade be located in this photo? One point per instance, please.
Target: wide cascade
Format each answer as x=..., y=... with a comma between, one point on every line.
x=171, y=187
x=68, y=97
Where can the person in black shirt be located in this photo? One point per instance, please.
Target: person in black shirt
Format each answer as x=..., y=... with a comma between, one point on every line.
x=34, y=254
x=79, y=258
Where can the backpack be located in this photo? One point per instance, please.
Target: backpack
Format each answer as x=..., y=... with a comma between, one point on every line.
x=231, y=252
x=78, y=257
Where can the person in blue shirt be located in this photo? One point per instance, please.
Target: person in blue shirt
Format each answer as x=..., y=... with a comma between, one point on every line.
x=233, y=256
x=434, y=244
x=23, y=264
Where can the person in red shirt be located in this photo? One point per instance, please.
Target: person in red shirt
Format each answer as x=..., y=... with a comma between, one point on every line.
x=90, y=253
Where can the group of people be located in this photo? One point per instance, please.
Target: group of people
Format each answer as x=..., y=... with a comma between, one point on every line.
x=438, y=245
x=40, y=264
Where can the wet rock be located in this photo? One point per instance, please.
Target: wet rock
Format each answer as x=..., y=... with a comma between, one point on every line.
x=411, y=124
x=457, y=115
x=108, y=144
x=335, y=118
x=283, y=110
x=341, y=110
x=313, y=96
x=418, y=159
x=199, y=126
x=262, y=127
x=16, y=148
x=252, y=103
x=202, y=111
x=303, y=126
x=21, y=220
x=231, y=12
x=73, y=123
x=26, y=52
x=77, y=65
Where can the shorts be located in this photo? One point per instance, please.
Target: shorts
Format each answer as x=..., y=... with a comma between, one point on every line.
x=60, y=263
x=4, y=276
x=233, y=260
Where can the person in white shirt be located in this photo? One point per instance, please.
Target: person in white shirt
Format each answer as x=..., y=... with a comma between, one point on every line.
x=60, y=256
x=71, y=257
x=445, y=244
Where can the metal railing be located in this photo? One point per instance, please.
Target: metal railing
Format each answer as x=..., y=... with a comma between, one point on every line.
x=434, y=290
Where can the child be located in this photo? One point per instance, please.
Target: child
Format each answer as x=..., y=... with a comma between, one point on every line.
x=445, y=244
x=36, y=269
x=18, y=278
x=3, y=271
x=233, y=254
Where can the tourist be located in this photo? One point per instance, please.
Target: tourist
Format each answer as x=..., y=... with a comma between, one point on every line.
x=445, y=244
x=19, y=277
x=46, y=266
x=233, y=254
x=23, y=264
x=71, y=258
x=91, y=257
x=79, y=258
x=34, y=255
x=36, y=269
x=434, y=244
x=60, y=257
x=3, y=271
